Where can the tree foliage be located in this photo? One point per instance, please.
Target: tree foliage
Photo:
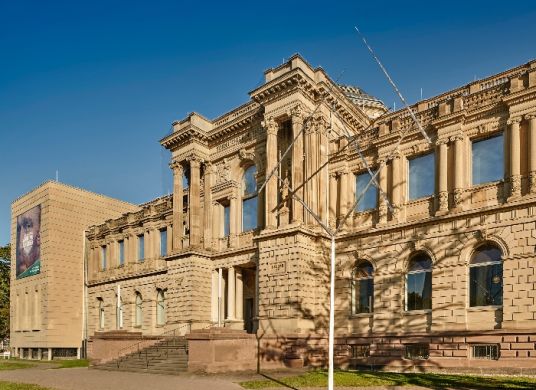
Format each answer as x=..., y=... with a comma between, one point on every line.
x=5, y=253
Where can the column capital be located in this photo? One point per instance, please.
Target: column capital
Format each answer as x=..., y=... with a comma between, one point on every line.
x=176, y=166
x=194, y=160
x=530, y=116
x=442, y=141
x=270, y=125
x=513, y=121
x=296, y=113
x=457, y=137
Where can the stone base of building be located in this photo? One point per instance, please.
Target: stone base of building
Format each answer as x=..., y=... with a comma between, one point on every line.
x=497, y=351
x=106, y=346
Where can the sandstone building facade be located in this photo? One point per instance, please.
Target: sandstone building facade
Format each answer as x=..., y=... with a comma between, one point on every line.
x=435, y=268
x=47, y=305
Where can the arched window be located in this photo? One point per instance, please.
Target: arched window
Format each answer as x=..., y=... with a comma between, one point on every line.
x=101, y=313
x=419, y=283
x=249, y=199
x=486, y=276
x=160, y=308
x=119, y=313
x=138, y=320
x=363, y=288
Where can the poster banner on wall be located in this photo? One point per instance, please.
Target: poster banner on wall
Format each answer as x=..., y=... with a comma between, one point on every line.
x=28, y=258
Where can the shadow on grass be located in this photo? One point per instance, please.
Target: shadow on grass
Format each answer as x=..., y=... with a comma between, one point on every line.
x=365, y=379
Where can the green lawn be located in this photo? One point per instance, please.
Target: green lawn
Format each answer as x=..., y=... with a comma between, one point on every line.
x=14, y=364
x=20, y=386
x=71, y=363
x=365, y=379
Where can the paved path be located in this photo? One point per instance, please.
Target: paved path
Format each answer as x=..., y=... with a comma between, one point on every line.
x=86, y=379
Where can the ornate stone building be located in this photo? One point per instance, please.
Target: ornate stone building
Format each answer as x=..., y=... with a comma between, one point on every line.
x=436, y=268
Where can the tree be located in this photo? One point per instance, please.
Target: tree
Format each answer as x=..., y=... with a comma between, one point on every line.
x=5, y=253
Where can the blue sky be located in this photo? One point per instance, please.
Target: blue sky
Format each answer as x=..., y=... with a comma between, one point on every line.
x=89, y=88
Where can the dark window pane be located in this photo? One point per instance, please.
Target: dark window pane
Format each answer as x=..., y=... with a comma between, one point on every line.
x=369, y=199
x=163, y=242
x=488, y=160
x=486, y=254
x=419, y=291
x=363, y=295
x=226, y=220
x=249, y=214
x=364, y=270
x=422, y=176
x=486, y=285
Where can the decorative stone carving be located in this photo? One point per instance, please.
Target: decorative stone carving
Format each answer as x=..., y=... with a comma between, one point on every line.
x=513, y=121
x=515, y=185
x=443, y=201
x=246, y=156
x=532, y=182
x=270, y=125
x=382, y=211
x=176, y=167
x=458, y=196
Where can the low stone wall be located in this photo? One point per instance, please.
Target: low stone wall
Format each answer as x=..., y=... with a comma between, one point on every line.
x=221, y=350
x=106, y=346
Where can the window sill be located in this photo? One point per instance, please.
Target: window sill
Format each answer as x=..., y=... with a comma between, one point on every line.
x=362, y=315
x=422, y=199
x=416, y=312
x=484, y=308
x=488, y=184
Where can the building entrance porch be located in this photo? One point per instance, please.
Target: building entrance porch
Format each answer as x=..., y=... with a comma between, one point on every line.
x=234, y=298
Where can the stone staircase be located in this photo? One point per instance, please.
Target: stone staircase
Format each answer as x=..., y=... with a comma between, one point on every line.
x=168, y=356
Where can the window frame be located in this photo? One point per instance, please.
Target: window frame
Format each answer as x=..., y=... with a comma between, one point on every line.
x=485, y=264
x=121, y=254
x=355, y=282
x=409, y=159
x=409, y=356
x=103, y=264
x=141, y=245
x=408, y=273
x=503, y=166
x=163, y=242
x=161, y=317
x=101, y=313
x=249, y=196
x=357, y=192
x=138, y=311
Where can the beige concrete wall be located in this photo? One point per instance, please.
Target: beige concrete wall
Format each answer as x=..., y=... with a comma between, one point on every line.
x=53, y=318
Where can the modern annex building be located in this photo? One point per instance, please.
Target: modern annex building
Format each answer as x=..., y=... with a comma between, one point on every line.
x=443, y=278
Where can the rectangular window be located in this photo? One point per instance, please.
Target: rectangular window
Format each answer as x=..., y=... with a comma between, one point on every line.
x=486, y=285
x=163, y=242
x=249, y=214
x=419, y=294
x=417, y=351
x=141, y=247
x=103, y=257
x=421, y=176
x=363, y=295
x=226, y=220
x=369, y=199
x=488, y=352
x=488, y=160
x=360, y=351
x=121, y=252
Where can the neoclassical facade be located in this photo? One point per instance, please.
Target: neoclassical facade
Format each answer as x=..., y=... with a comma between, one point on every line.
x=435, y=267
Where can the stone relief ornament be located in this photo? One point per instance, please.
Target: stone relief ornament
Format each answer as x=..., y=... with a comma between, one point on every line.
x=443, y=200
x=458, y=194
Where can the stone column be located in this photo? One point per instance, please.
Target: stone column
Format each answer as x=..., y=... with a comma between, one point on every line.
x=231, y=293
x=515, y=158
x=531, y=118
x=443, y=204
x=343, y=196
x=233, y=220
x=239, y=299
x=214, y=296
x=322, y=182
x=382, y=206
x=397, y=186
x=207, y=225
x=333, y=199
x=177, y=204
x=194, y=201
x=216, y=225
x=297, y=163
x=271, y=128
x=458, y=171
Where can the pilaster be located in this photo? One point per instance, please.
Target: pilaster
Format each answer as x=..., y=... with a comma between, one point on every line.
x=297, y=163
x=531, y=118
x=178, y=172
x=515, y=158
x=458, y=171
x=443, y=202
x=194, y=200
x=207, y=225
x=271, y=127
